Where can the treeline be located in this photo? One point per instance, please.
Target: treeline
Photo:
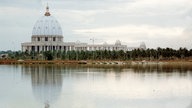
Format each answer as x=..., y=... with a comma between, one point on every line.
x=137, y=54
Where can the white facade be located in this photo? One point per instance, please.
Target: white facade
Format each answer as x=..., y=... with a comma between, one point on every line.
x=47, y=36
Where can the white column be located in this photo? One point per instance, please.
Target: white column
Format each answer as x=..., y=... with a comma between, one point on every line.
x=40, y=48
x=35, y=48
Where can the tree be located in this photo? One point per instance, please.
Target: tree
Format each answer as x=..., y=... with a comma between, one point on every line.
x=48, y=55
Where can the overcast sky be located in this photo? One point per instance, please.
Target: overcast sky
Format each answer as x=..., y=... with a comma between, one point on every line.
x=158, y=23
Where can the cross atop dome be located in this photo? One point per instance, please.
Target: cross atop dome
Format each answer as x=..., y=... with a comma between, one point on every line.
x=47, y=13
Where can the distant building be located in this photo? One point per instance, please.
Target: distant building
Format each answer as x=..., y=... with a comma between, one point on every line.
x=143, y=46
x=47, y=36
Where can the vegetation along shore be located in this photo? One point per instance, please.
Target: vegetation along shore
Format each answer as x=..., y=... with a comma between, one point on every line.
x=97, y=57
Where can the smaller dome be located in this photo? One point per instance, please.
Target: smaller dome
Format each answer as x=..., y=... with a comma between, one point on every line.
x=142, y=45
x=78, y=42
x=105, y=43
x=118, y=42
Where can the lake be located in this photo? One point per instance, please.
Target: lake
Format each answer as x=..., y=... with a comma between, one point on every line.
x=95, y=86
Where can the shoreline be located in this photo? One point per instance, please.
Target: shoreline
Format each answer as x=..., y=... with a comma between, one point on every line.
x=96, y=62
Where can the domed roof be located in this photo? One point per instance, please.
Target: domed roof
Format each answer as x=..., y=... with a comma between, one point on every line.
x=47, y=25
x=118, y=42
x=105, y=43
x=142, y=45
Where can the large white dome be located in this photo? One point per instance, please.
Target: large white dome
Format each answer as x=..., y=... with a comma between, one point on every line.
x=47, y=25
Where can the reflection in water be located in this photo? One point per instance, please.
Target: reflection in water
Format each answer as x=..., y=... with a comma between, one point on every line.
x=46, y=82
x=95, y=85
x=119, y=70
x=161, y=67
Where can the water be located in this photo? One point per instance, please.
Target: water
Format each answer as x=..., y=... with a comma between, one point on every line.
x=95, y=86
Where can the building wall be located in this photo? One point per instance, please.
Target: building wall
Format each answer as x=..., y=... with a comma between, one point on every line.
x=47, y=46
x=51, y=43
x=47, y=39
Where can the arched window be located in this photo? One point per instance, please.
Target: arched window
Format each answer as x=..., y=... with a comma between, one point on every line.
x=46, y=38
x=54, y=38
x=38, y=38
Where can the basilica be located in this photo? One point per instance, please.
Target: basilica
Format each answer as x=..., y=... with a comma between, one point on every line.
x=47, y=36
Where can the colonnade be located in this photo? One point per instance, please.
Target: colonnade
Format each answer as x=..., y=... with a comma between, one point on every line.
x=70, y=47
x=39, y=48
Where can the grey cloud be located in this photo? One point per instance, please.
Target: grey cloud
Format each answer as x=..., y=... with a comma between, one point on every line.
x=87, y=14
x=188, y=13
x=20, y=3
x=89, y=0
x=190, y=105
x=85, y=4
